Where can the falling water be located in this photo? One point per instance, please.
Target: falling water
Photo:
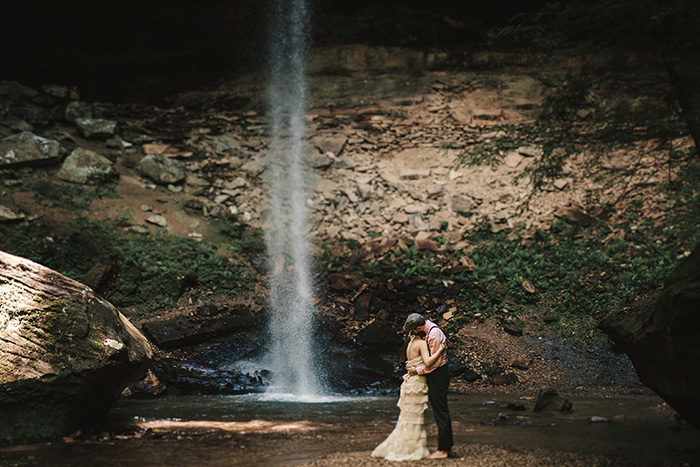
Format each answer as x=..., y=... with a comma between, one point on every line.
x=291, y=354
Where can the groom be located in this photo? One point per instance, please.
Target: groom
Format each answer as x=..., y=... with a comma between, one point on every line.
x=438, y=376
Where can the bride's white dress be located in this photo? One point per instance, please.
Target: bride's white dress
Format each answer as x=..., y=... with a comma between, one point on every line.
x=408, y=441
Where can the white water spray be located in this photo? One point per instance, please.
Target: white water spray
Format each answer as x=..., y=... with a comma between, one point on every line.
x=291, y=354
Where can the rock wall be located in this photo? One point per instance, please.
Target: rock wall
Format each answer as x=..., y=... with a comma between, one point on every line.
x=65, y=354
x=660, y=333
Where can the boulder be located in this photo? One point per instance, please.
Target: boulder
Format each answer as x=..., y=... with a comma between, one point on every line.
x=660, y=334
x=66, y=354
x=15, y=90
x=96, y=128
x=8, y=215
x=26, y=148
x=160, y=169
x=77, y=110
x=549, y=400
x=330, y=143
x=87, y=167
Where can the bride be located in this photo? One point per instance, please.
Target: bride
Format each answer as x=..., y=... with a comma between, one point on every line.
x=408, y=440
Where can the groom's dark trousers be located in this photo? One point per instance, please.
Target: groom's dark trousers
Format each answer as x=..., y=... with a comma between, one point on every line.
x=438, y=383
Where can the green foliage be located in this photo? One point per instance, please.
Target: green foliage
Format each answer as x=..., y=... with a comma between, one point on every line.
x=579, y=272
x=152, y=271
x=66, y=195
x=239, y=237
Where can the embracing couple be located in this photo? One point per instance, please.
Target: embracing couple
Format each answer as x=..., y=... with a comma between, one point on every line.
x=427, y=379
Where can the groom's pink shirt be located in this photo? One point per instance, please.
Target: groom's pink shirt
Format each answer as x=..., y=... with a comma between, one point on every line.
x=435, y=337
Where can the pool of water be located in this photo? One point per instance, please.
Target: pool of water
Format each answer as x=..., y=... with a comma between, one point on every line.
x=640, y=429
x=241, y=408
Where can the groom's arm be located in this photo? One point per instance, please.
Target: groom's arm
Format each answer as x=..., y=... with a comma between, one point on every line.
x=434, y=343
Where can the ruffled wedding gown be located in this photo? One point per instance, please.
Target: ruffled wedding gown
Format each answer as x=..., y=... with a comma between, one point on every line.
x=408, y=441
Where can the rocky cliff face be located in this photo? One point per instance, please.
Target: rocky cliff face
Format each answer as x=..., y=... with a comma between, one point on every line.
x=65, y=354
x=660, y=333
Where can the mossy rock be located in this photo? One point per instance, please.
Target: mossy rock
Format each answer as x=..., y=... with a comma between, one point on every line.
x=66, y=354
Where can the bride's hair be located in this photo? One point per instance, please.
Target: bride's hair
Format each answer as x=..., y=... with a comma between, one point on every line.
x=407, y=340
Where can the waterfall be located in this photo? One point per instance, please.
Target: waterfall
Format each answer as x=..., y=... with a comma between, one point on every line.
x=291, y=326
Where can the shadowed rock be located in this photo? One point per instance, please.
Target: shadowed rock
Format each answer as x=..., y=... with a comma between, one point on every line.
x=549, y=400
x=66, y=355
x=660, y=334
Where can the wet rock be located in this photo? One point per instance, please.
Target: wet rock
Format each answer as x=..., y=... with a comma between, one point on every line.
x=660, y=333
x=161, y=169
x=459, y=370
x=185, y=330
x=149, y=386
x=96, y=128
x=26, y=149
x=67, y=354
x=549, y=400
x=87, y=167
x=516, y=407
x=183, y=378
